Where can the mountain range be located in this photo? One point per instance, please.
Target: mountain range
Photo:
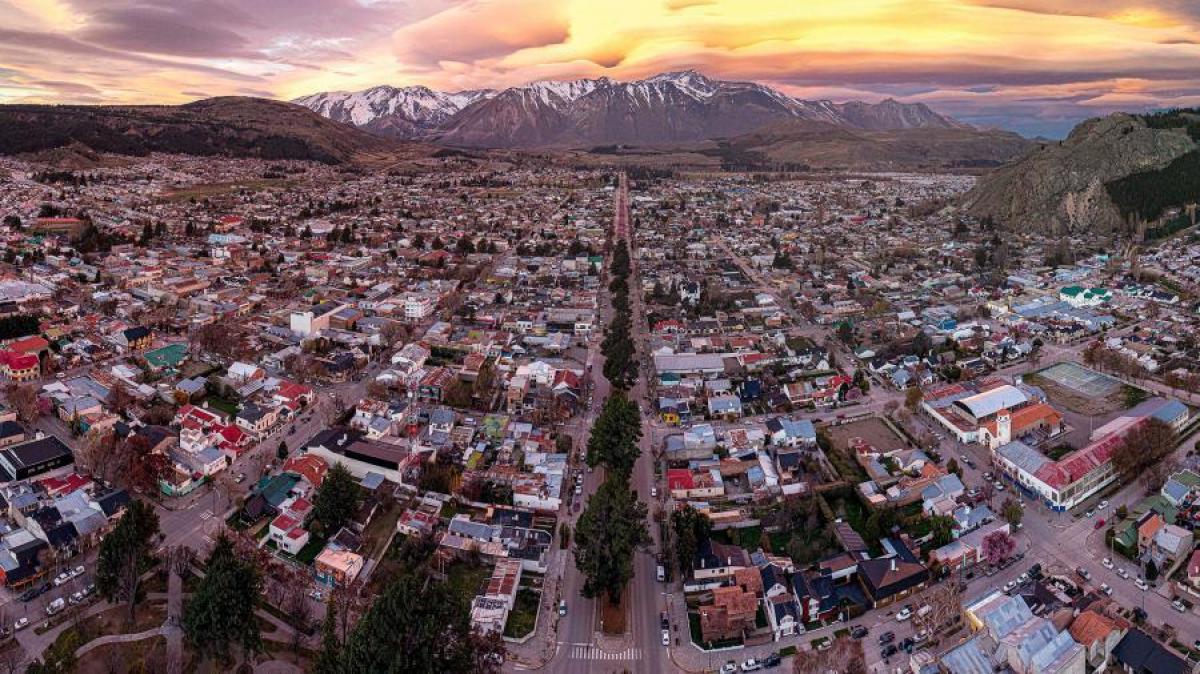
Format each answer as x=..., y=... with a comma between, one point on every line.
x=669, y=108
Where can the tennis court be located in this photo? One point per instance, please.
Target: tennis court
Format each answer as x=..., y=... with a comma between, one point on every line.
x=1081, y=380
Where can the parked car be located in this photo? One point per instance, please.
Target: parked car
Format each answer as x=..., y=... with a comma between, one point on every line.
x=61, y=578
x=241, y=477
x=888, y=651
x=21, y=624
x=998, y=485
x=1089, y=513
x=666, y=638
x=1178, y=606
x=75, y=598
x=663, y=621
x=562, y=607
x=887, y=638
x=772, y=660
x=1106, y=563
x=729, y=667
x=1123, y=573
x=1099, y=523
x=1106, y=589
x=858, y=631
x=317, y=595
x=56, y=606
x=1141, y=584
x=1083, y=573
x=1009, y=587
x=751, y=665
x=904, y=614
x=78, y=571
x=1102, y=505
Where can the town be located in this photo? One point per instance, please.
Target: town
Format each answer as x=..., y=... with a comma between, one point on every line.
x=287, y=416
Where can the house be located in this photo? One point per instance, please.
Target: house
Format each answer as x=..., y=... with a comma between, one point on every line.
x=337, y=567
x=1137, y=653
x=137, y=338
x=34, y=457
x=725, y=406
x=18, y=367
x=786, y=432
x=892, y=578
x=730, y=615
x=1099, y=635
x=256, y=420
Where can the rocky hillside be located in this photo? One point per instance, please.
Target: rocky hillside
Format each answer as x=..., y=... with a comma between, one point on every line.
x=1095, y=180
x=230, y=126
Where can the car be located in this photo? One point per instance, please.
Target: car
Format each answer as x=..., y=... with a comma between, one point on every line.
x=888, y=651
x=241, y=477
x=904, y=614
x=1022, y=579
x=1178, y=606
x=1089, y=513
x=78, y=571
x=1083, y=573
x=60, y=375
x=56, y=606
x=998, y=485
x=562, y=607
x=1141, y=584
x=729, y=667
x=666, y=638
x=317, y=595
x=21, y=624
x=1196, y=644
x=988, y=476
x=89, y=589
x=653, y=492
x=751, y=665
x=906, y=644
x=858, y=632
x=1099, y=524
x=772, y=660
x=1106, y=563
x=1009, y=587
x=920, y=636
x=824, y=644
x=61, y=578
x=1106, y=589
x=1102, y=505
x=1123, y=573
x=663, y=621
x=1035, y=571
x=578, y=489
x=887, y=638
x=973, y=492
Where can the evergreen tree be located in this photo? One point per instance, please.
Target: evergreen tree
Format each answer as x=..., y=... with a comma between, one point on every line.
x=331, y=646
x=336, y=499
x=220, y=614
x=608, y=533
x=126, y=553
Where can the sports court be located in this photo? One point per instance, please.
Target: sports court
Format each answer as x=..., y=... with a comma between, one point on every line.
x=1081, y=380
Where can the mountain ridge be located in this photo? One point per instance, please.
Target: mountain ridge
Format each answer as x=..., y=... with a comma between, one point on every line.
x=670, y=107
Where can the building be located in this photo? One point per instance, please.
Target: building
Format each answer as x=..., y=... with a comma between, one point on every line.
x=34, y=457
x=314, y=319
x=17, y=366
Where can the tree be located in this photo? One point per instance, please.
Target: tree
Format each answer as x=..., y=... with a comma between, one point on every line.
x=609, y=531
x=912, y=398
x=953, y=467
x=141, y=466
x=24, y=401
x=1151, y=571
x=119, y=399
x=998, y=546
x=220, y=613
x=336, y=499
x=331, y=647
x=125, y=554
x=281, y=452
x=1012, y=510
x=1147, y=444
x=615, y=435
x=691, y=529
x=59, y=658
x=419, y=626
x=942, y=529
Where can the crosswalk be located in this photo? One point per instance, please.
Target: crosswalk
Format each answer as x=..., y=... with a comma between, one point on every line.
x=592, y=652
x=206, y=515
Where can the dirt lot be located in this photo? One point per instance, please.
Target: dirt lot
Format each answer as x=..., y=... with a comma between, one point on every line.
x=1061, y=396
x=871, y=429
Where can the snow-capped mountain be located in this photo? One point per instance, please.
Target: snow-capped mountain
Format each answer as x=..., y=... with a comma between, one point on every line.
x=383, y=107
x=666, y=108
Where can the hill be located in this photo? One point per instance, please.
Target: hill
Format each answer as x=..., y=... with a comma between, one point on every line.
x=1108, y=172
x=228, y=126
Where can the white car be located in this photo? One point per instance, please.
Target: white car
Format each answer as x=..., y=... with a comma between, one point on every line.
x=1178, y=606
x=904, y=614
x=21, y=624
x=61, y=578
x=1102, y=505
x=1106, y=563
x=729, y=667
x=653, y=492
x=751, y=665
x=1008, y=587
x=1123, y=573
x=78, y=571
x=1141, y=584
x=998, y=485
x=1106, y=589
x=666, y=638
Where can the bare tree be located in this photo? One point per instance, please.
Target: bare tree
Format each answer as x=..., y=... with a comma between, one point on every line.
x=12, y=659
x=24, y=401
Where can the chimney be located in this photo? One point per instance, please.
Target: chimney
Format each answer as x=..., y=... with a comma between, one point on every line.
x=893, y=563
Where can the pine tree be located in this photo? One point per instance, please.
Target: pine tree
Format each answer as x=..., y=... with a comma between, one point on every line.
x=331, y=647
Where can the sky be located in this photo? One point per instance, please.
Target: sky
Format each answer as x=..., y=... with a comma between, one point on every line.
x=1034, y=66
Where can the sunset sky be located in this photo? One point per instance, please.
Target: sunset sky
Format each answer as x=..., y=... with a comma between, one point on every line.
x=1036, y=66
